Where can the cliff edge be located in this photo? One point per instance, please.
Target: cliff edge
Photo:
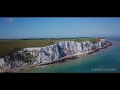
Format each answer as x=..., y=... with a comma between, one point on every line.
x=37, y=55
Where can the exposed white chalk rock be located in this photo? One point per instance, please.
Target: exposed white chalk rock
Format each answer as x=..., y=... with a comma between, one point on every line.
x=2, y=62
x=52, y=52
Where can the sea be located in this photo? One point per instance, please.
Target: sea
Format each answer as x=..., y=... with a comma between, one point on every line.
x=105, y=61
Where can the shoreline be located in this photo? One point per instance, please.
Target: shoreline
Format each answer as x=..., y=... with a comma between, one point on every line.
x=69, y=57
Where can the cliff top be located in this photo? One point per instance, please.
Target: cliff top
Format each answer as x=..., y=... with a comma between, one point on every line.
x=10, y=46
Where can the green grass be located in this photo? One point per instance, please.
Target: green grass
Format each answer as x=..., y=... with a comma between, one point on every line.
x=10, y=46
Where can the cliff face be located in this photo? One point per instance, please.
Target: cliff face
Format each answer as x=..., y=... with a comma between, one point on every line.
x=29, y=56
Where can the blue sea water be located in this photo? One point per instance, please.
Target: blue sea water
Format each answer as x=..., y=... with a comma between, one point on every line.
x=105, y=61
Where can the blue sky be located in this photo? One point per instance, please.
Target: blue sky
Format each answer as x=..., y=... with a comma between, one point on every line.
x=45, y=27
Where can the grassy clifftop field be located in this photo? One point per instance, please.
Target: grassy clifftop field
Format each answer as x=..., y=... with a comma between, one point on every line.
x=9, y=46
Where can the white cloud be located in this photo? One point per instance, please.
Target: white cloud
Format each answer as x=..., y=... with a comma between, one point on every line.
x=9, y=20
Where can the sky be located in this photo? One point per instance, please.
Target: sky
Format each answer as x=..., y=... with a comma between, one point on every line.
x=53, y=27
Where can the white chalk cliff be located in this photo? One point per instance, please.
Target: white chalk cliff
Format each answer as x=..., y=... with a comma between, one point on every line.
x=48, y=53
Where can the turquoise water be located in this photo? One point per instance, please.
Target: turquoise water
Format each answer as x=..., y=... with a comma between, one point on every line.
x=104, y=61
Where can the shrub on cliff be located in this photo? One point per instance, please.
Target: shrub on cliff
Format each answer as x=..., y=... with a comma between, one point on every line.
x=29, y=57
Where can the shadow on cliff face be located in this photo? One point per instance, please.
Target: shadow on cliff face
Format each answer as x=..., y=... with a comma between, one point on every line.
x=61, y=52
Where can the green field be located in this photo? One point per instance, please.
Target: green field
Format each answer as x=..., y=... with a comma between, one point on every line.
x=9, y=46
